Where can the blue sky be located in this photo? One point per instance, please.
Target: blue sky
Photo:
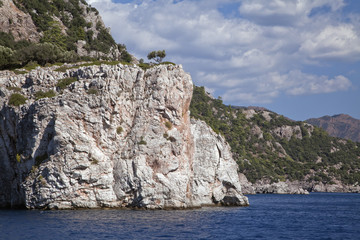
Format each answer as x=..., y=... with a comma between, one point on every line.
x=299, y=58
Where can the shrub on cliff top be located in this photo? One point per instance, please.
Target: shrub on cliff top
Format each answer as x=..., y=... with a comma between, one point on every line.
x=16, y=99
x=15, y=89
x=168, y=63
x=87, y=64
x=144, y=66
x=63, y=83
x=41, y=94
x=19, y=71
x=119, y=130
x=142, y=141
x=168, y=125
x=31, y=65
x=93, y=91
x=157, y=56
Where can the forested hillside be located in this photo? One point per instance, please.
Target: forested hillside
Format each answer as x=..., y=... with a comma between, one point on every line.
x=43, y=31
x=269, y=146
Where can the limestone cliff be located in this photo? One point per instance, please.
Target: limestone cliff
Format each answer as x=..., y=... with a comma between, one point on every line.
x=116, y=136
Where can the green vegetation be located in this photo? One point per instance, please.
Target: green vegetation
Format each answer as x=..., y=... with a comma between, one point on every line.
x=42, y=180
x=318, y=156
x=54, y=45
x=98, y=63
x=94, y=161
x=54, y=36
x=142, y=141
x=119, y=130
x=93, y=91
x=18, y=158
x=64, y=68
x=16, y=99
x=63, y=83
x=168, y=125
x=92, y=63
x=170, y=138
x=41, y=94
x=34, y=169
x=126, y=57
x=6, y=55
x=7, y=40
x=33, y=54
x=43, y=53
x=15, y=89
x=102, y=43
x=19, y=71
x=168, y=63
x=144, y=66
x=158, y=56
x=31, y=66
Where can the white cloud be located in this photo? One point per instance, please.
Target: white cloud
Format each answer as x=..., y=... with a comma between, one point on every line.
x=267, y=87
x=254, y=60
x=312, y=84
x=333, y=42
x=284, y=12
x=238, y=95
x=255, y=57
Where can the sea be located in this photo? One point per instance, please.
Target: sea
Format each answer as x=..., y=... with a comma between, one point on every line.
x=313, y=216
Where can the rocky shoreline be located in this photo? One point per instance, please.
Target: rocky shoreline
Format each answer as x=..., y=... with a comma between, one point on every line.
x=295, y=187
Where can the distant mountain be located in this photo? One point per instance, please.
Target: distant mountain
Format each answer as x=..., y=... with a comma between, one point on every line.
x=341, y=125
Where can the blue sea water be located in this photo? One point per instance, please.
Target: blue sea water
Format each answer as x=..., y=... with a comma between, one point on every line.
x=314, y=216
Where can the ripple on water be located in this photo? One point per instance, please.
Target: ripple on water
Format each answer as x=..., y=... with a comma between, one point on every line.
x=314, y=216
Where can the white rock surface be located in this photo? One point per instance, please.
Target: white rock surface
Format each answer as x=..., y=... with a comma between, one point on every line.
x=288, y=132
x=267, y=187
x=132, y=144
x=17, y=22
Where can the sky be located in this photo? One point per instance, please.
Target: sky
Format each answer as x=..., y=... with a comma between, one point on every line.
x=298, y=58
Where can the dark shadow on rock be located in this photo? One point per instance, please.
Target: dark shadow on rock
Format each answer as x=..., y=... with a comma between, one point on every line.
x=17, y=155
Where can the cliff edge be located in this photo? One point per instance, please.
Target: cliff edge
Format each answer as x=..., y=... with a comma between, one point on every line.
x=109, y=136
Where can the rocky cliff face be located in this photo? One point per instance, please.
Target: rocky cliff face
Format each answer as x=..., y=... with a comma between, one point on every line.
x=17, y=22
x=116, y=137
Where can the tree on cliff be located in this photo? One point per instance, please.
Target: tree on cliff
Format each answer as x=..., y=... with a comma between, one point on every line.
x=158, y=56
x=6, y=55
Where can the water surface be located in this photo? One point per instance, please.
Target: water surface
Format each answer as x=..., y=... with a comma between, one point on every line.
x=314, y=216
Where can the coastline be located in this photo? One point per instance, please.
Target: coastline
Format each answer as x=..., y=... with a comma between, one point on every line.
x=293, y=187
